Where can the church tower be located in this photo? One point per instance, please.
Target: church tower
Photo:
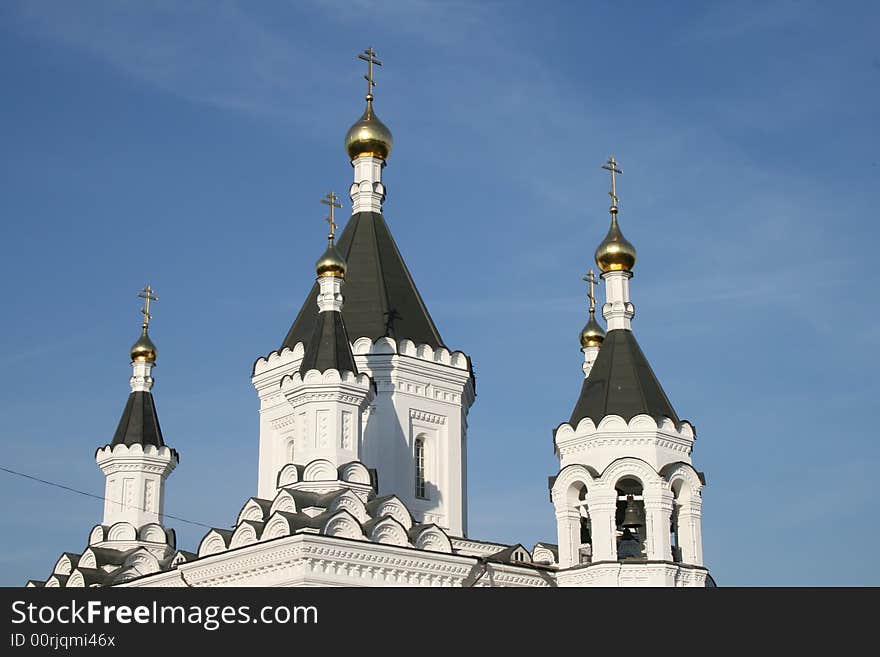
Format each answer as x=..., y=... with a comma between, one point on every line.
x=327, y=395
x=415, y=423
x=627, y=497
x=137, y=462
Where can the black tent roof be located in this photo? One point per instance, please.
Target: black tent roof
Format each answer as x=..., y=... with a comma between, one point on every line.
x=621, y=383
x=139, y=424
x=329, y=346
x=381, y=298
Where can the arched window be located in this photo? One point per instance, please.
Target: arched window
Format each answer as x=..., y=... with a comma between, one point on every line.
x=291, y=443
x=420, y=457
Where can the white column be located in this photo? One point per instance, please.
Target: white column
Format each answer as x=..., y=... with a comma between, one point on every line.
x=658, y=513
x=329, y=294
x=590, y=356
x=568, y=526
x=618, y=311
x=603, y=508
x=690, y=533
x=141, y=376
x=367, y=191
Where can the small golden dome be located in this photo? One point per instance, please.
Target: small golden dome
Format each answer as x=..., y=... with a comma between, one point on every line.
x=143, y=351
x=331, y=263
x=592, y=334
x=368, y=136
x=615, y=253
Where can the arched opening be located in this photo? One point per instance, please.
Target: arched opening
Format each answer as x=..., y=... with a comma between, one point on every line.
x=685, y=523
x=675, y=538
x=630, y=520
x=585, y=548
x=574, y=524
x=291, y=444
x=420, y=458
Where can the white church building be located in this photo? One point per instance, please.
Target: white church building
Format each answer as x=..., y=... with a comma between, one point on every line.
x=363, y=444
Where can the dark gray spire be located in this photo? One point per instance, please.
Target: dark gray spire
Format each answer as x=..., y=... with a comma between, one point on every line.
x=328, y=348
x=139, y=424
x=621, y=383
x=381, y=298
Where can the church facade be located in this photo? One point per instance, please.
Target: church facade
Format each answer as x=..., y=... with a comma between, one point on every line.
x=363, y=443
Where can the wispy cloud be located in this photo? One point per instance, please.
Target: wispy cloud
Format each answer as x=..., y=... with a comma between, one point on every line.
x=208, y=52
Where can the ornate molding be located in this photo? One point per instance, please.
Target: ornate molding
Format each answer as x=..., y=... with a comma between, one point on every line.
x=425, y=416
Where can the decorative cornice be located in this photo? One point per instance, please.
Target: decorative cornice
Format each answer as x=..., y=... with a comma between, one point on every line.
x=425, y=416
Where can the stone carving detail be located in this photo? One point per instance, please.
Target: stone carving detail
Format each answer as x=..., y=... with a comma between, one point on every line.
x=425, y=416
x=322, y=428
x=128, y=492
x=346, y=430
x=302, y=425
x=283, y=422
x=150, y=496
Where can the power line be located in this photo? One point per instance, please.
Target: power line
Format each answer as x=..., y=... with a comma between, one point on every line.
x=97, y=497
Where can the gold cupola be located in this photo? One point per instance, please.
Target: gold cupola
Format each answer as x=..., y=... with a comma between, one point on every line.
x=331, y=263
x=369, y=137
x=592, y=335
x=144, y=351
x=615, y=253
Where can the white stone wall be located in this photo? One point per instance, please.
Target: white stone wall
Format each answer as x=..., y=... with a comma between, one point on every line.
x=420, y=391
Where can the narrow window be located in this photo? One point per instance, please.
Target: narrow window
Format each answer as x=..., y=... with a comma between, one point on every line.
x=420, y=468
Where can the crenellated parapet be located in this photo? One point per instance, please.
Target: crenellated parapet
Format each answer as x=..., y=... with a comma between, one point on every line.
x=402, y=365
x=656, y=440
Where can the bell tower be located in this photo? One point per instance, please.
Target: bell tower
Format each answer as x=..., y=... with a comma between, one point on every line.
x=627, y=496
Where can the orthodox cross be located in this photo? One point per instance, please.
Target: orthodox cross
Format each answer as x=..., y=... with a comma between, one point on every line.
x=391, y=316
x=611, y=166
x=147, y=295
x=333, y=201
x=369, y=56
x=591, y=279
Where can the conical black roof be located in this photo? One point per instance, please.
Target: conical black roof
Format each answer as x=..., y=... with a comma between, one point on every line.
x=621, y=383
x=329, y=347
x=381, y=298
x=139, y=424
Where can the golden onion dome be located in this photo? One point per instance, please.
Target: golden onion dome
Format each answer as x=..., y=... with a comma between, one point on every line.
x=368, y=136
x=592, y=335
x=143, y=351
x=615, y=253
x=331, y=263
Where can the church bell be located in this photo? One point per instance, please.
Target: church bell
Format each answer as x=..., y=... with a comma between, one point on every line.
x=631, y=516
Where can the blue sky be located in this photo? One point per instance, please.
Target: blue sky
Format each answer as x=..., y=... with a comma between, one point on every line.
x=189, y=144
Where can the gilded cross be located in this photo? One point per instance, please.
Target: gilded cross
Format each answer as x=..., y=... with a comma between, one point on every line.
x=611, y=166
x=147, y=295
x=591, y=279
x=369, y=56
x=333, y=201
